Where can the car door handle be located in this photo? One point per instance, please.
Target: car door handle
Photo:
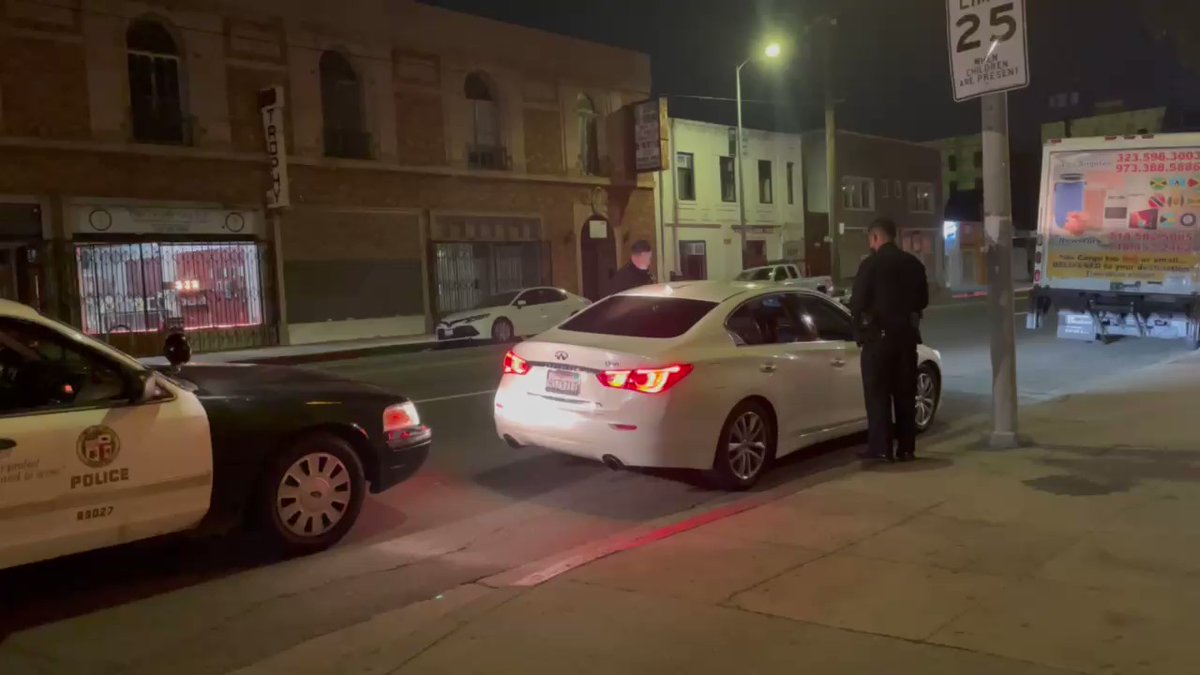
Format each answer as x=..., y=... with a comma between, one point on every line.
x=838, y=363
x=767, y=368
x=7, y=444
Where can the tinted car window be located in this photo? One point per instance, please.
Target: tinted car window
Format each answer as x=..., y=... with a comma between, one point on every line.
x=765, y=320
x=542, y=296
x=498, y=300
x=826, y=320
x=640, y=316
x=780, y=274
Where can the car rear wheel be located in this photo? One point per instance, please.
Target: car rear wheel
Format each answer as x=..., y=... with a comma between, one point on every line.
x=928, y=396
x=312, y=493
x=746, y=446
x=502, y=330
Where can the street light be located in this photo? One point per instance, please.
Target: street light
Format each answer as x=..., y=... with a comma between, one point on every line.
x=772, y=51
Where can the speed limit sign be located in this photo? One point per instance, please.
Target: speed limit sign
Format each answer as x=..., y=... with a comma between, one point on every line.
x=988, y=52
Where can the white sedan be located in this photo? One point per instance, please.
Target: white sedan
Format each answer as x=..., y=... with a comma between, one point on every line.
x=502, y=317
x=719, y=376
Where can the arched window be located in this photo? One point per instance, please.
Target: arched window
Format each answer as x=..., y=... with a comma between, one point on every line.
x=589, y=142
x=155, y=94
x=341, y=102
x=484, y=151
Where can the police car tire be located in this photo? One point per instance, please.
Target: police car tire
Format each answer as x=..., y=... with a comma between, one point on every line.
x=309, y=445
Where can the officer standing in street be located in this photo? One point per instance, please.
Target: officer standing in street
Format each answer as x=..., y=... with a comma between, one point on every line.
x=890, y=293
x=636, y=272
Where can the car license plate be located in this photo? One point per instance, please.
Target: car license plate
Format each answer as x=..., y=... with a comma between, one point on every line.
x=563, y=382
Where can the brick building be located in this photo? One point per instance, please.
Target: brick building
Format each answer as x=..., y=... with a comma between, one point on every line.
x=432, y=158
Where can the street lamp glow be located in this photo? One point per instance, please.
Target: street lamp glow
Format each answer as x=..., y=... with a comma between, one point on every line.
x=773, y=50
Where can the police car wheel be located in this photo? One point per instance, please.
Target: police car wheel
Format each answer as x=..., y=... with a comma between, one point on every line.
x=312, y=494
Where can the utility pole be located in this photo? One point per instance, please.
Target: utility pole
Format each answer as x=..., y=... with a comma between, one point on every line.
x=741, y=175
x=997, y=218
x=832, y=182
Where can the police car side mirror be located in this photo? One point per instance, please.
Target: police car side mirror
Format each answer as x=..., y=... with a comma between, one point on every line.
x=177, y=350
x=149, y=387
x=522, y=303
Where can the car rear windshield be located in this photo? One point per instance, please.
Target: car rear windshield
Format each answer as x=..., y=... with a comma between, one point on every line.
x=640, y=316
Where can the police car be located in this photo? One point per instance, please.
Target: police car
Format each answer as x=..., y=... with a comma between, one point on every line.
x=97, y=449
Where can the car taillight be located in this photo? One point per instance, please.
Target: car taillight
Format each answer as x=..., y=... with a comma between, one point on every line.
x=515, y=365
x=400, y=416
x=645, y=380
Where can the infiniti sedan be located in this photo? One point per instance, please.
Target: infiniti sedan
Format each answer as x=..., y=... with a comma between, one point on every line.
x=718, y=376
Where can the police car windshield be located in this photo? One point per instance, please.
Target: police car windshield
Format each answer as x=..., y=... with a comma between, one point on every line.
x=113, y=352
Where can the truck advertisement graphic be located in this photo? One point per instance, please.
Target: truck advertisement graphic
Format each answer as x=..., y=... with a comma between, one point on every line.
x=1124, y=217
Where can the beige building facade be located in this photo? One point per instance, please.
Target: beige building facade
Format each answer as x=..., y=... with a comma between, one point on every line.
x=431, y=159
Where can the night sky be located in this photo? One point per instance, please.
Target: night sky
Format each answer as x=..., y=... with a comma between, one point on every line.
x=892, y=70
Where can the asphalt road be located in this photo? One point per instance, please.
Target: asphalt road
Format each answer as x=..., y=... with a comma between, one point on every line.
x=478, y=508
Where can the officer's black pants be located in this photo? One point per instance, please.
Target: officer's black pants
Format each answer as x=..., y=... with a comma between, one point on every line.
x=889, y=372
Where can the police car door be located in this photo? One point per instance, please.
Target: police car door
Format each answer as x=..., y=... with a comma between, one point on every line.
x=86, y=460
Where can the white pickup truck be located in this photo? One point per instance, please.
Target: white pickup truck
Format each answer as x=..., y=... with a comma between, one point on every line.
x=790, y=274
x=1118, y=247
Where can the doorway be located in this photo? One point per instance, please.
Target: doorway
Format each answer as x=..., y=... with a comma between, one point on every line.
x=754, y=254
x=598, y=257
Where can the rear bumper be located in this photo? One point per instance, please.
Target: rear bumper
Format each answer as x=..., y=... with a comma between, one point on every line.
x=1043, y=300
x=1088, y=315
x=531, y=420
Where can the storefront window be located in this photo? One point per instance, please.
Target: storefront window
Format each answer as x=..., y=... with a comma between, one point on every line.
x=149, y=287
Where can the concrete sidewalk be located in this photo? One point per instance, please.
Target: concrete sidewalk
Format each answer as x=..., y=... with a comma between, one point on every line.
x=1078, y=555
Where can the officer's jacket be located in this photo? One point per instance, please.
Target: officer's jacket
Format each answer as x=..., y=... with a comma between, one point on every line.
x=890, y=292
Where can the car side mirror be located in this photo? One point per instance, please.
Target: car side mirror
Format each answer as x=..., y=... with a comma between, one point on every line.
x=522, y=303
x=143, y=386
x=177, y=350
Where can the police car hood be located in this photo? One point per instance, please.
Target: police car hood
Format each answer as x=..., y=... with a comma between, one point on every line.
x=275, y=382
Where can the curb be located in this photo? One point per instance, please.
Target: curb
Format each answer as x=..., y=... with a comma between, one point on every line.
x=344, y=354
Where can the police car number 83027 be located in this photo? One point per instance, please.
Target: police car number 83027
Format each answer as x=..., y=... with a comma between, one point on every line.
x=99, y=449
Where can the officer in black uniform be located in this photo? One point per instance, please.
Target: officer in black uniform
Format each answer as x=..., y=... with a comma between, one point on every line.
x=636, y=272
x=890, y=293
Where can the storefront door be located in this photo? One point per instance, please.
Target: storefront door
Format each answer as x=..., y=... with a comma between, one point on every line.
x=598, y=257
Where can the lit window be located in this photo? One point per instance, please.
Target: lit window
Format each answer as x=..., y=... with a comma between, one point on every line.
x=920, y=197
x=144, y=287
x=858, y=194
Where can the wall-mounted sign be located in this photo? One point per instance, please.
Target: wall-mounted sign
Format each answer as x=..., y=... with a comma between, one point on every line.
x=108, y=217
x=651, y=136
x=271, y=103
x=598, y=229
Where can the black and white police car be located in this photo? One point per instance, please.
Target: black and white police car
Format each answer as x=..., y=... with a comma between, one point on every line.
x=97, y=449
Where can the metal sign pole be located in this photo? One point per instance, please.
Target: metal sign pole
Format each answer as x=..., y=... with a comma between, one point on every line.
x=989, y=56
x=997, y=218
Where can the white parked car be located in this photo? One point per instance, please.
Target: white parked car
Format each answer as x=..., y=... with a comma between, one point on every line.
x=502, y=317
x=720, y=376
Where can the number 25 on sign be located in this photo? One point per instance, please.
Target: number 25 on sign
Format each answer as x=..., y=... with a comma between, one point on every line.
x=988, y=52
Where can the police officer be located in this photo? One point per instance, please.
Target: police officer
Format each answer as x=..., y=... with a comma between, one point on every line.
x=890, y=292
x=636, y=272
